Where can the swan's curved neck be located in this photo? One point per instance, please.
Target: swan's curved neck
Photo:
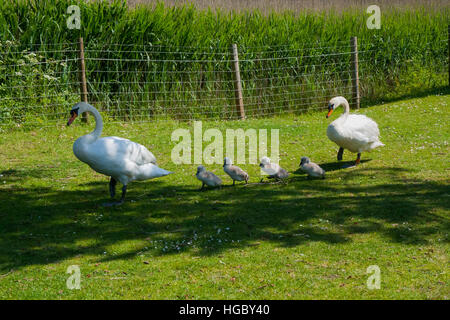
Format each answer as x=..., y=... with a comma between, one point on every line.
x=344, y=102
x=98, y=122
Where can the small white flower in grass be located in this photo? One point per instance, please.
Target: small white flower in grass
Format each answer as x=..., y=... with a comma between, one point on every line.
x=31, y=57
x=48, y=77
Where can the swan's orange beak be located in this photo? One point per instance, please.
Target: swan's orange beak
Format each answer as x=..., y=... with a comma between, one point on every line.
x=73, y=115
x=329, y=113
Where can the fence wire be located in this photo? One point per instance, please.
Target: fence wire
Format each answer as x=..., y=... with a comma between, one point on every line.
x=39, y=86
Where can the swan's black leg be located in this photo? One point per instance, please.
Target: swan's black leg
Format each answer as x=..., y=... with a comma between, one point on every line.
x=358, y=159
x=203, y=186
x=340, y=153
x=234, y=181
x=112, y=187
x=124, y=192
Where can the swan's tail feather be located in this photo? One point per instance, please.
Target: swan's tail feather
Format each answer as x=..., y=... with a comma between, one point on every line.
x=165, y=173
x=377, y=144
x=150, y=171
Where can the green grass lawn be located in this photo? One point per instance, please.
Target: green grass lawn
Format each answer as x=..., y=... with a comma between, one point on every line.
x=306, y=239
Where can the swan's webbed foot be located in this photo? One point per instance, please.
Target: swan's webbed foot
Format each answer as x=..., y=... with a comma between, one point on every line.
x=122, y=199
x=112, y=187
x=340, y=154
x=112, y=204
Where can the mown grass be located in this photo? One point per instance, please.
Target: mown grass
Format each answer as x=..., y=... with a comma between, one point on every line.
x=308, y=239
x=175, y=61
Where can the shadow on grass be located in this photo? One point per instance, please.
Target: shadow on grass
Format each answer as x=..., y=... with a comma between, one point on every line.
x=43, y=225
x=334, y=166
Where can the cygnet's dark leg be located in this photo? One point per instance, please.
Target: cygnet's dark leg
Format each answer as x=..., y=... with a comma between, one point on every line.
x=340, y=153
x=203, y=186
x=234, y=181
x=112, y=187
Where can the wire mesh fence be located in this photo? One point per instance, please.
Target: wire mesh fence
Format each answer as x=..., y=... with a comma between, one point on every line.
x=38, y=87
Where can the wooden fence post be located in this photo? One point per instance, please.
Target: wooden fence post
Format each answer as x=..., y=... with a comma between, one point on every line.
x=355, y=74
x=83, y=86
x=237, y=83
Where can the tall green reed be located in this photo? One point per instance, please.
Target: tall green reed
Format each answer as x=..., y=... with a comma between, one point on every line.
x=175, y=61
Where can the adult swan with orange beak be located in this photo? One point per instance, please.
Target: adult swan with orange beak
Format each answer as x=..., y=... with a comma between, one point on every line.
x=354, y=132
x=121, y=159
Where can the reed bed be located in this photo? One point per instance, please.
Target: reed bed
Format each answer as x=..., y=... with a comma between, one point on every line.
x=175, y=62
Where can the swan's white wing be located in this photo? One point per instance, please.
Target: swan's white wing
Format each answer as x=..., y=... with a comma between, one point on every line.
x=357, y=133
x=145, y=155
x=116, y=157
x=362, y=128
x=128, y=149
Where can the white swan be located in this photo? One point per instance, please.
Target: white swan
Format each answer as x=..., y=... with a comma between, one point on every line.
x=354, y=132
x=121, y=159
